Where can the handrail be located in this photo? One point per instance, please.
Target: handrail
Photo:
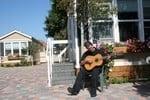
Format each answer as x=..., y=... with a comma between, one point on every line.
x=61, y=53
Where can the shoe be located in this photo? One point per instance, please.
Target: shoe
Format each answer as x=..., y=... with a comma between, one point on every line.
x=70, y=90
x=93, y=95
x=93, y=92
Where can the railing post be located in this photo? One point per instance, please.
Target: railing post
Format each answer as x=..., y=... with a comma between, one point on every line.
x=52, y=51
x=77, y=65
x=49, y=60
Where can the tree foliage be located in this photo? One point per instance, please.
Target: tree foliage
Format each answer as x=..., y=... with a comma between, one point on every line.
x=34, y=48
x=95, y=8
x=56, y=21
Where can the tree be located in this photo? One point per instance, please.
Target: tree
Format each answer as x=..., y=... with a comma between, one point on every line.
x=56, y=21
x=34, y=49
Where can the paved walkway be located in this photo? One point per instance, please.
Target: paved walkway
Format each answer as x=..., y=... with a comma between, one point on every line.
x=30, y=83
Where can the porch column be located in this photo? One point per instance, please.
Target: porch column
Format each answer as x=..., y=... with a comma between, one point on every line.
x=77, y=65
x=141, y=23
x=70, y=38
x=27, y=47
x=0, y=51
x=90, y=30
x=12, y=52
x=4, y=49
x=82, y=39
x=116, y=34
x=20, y=48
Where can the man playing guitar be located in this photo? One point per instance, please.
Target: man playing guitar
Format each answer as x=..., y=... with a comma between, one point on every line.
x=91, y=63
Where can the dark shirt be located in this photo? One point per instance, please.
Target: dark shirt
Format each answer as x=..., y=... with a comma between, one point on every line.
x=89, y=53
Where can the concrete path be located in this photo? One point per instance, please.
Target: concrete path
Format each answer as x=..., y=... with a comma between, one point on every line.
x=30, y=83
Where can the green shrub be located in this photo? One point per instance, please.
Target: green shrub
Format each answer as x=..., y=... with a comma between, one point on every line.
x=17, y=64
x=7, y=65
x=119, y=80
x=24, y=62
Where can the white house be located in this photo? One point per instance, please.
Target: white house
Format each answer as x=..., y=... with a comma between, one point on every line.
x=16, y=43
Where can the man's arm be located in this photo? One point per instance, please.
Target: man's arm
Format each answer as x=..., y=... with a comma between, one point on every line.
x=82, y=61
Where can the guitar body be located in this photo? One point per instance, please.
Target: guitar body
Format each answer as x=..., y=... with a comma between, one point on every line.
x=93, y=61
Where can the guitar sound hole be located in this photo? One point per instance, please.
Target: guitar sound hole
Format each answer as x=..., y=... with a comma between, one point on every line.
x=96, y=60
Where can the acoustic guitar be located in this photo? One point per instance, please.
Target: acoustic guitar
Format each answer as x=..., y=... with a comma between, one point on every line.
x=95, y=61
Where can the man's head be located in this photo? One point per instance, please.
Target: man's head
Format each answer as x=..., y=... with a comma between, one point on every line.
x=88, y=45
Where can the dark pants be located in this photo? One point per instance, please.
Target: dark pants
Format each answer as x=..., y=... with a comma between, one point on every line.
x=81, y=79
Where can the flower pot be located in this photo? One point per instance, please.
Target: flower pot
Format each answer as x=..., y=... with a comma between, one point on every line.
x=119, y=50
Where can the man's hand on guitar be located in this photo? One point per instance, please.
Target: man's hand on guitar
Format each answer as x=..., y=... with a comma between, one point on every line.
x=82, y=62
x=109, y=57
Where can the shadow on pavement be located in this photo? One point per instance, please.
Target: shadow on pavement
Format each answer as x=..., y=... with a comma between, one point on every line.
x=143, y=88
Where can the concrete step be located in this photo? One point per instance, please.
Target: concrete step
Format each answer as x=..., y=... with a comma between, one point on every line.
x=63, y=73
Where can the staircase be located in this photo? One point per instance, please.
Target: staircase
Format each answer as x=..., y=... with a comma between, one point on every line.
x=63, y=73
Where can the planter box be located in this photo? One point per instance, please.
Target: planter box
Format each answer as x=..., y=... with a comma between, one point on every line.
x=131, y=65
x=130, y=72
x=119, y=50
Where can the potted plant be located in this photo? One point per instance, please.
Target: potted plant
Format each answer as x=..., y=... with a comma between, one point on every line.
x=135, y=46
x=120, y=48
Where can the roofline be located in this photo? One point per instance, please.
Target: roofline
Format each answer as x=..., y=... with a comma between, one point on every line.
x=16, y=32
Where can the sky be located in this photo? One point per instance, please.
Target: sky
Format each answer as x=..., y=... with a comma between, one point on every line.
x=26, y=16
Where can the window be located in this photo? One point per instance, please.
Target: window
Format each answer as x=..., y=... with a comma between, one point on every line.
x=128, y=19
x=7, y=48
x=16, y=48
x=128, y=30
x=146, y=9
x=1, y=49
x=102, y=30
x=147, y=29
x=24, y=48
x=127, y=9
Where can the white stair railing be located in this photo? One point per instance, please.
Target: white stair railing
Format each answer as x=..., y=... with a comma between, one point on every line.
x=50, y=56
x=61, y=53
